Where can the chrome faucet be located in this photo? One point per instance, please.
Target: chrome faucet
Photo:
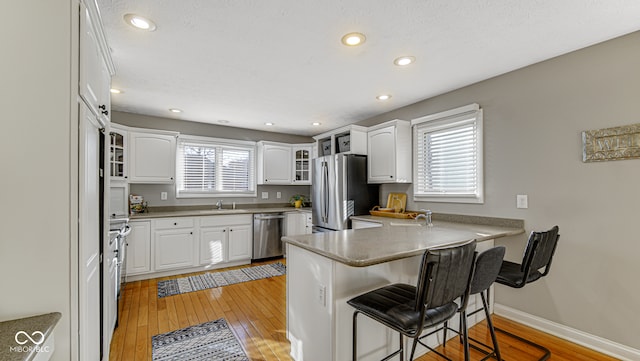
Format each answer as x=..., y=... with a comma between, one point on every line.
x=426, y=216
x=219, y=204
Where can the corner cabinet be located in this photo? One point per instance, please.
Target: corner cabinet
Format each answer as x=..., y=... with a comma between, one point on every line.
x=351, y=139
x=284, y=164
x=389, y=152
x=152, y=156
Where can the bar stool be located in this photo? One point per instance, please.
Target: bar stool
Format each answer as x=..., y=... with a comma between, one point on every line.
x=445, y=275
x=537, y=255
x=485, y=272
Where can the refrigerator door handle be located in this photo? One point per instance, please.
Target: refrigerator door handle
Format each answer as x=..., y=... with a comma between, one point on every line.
x=325, y=190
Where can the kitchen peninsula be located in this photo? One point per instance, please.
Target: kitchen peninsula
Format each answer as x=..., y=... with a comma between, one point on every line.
x=324, y=270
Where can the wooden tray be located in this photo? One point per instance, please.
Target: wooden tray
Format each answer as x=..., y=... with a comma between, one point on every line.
x=397, y=200
x=405, y=215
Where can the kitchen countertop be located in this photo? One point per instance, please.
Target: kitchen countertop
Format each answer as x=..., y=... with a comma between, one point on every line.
x=29, y=325
x=400, y=238
x=199, y=211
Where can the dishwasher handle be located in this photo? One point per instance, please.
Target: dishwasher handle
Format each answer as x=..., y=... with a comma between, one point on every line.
x=268, y=217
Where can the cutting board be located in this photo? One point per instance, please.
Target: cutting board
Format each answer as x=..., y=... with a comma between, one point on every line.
x=397, y=201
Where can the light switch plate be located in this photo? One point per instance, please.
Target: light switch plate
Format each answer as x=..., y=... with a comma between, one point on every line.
x=265, y=195
x=163, y=196
x=278, y=195
x=522, y=201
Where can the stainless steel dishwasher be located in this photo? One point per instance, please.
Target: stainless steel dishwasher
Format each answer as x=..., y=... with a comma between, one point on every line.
x=267, y=231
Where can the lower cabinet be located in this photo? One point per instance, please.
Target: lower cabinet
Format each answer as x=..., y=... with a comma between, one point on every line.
x=139, y=248
x=163, y=246
x=297, y=223
x=225, y=238
x=174, y=248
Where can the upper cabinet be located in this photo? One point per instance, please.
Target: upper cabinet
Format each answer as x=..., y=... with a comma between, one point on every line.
x=389, y=152
x=96, y=66
x=350, y=139
x=284, y=164
x=152, y=156
x=301, y=163
x=118, y=148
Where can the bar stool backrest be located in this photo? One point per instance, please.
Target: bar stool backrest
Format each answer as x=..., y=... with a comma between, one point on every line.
x=445, y=275
x=539, y=251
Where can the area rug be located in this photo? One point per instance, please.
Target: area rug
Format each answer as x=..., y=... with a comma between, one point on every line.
x=207, y=341
x=217, y=279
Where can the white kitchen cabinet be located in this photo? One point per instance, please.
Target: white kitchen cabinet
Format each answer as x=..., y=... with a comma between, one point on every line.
x=351, y=139
x=118, y=154
x=301, y=164
x=152, y=156
x=139, y=248
x=274, y=163
x=389, y=152
x=174, y=248
x=95, y=75
x=284, y=164
x=240, y=242
x=225, y=238
x=297, y=223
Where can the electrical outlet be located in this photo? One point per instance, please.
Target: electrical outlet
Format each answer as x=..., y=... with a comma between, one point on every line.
x=522, y=201
x=278, y=195
x=265, y=195
x=163, y=196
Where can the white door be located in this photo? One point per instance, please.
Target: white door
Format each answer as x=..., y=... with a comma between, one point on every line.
x=277, y=163
x=240, y=242
x=151, y=158
x=173, y=248
x=139, y=248
x=89, y=236
x=213, y=245
x=382, y=155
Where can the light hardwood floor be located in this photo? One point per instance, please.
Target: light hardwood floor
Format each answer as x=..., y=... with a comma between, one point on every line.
x=255, y=311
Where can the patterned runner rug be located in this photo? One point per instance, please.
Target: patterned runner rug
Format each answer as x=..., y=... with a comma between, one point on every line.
x=217, y=279
x=208, y=341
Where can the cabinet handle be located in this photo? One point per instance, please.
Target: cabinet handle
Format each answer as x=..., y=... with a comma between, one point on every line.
x=105, y=112
x=103, y=106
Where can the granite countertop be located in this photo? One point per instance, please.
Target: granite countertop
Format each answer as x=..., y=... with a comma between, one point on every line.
x=209, y=211
x=29, y=325
x=399, y=238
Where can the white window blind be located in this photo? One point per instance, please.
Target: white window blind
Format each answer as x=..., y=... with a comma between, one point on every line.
x=448, y=156
x=210, y=167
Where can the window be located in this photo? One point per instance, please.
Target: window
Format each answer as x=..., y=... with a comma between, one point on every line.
x=448, y=156
x=210, y=167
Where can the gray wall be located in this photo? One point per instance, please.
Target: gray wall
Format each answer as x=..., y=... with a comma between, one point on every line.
x=38, y=156
x=533, y=119
x=151, y=192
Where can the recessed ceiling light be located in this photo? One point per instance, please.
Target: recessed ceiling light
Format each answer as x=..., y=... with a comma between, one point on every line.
x=315, y=124
x=175, y=110
x=383, y=97
x=353, y=39
x=268, y=123
x=116, y=91
x=140, y=22
x=404, y=60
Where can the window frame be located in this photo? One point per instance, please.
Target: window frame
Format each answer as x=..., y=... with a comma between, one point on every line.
x=443, y=120
x=219, y=144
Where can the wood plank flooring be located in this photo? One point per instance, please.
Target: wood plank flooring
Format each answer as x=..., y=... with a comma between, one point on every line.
x=255, y=311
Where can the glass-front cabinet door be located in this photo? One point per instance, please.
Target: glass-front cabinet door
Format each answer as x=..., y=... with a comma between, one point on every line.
x=117, y=154
x=302, y=164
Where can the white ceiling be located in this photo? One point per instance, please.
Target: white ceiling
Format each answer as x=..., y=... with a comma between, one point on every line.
x=256, y=61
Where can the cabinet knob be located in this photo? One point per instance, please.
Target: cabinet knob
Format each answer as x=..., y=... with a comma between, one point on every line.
x=190, y=232
x=175, y=224
x=390, y=176
x=231, y=230
x=224, y=230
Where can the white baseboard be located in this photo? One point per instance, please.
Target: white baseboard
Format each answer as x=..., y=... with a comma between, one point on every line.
x=582, y=338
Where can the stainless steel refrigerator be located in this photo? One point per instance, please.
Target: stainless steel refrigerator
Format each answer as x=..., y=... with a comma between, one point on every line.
x=340, y=190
